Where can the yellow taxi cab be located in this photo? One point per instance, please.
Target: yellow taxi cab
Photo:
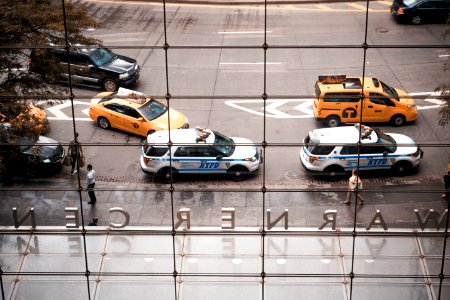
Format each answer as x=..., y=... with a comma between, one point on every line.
x=34, y=117
x=341, y=99
x=134, y=112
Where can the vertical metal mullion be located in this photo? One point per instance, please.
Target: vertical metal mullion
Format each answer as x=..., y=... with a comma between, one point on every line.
x=264, y=145
x=169, y=144
x=441, y=274
x=80, y=189
x=355, y=194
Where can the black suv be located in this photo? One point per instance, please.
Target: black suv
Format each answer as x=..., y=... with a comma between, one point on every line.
x=99, y=67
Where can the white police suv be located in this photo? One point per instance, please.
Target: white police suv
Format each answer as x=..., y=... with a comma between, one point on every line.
x=196, y=151
x=334, y=151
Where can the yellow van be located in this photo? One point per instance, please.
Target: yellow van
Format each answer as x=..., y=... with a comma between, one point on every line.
x=341, y=99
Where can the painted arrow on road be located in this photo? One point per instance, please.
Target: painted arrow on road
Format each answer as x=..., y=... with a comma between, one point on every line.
x=58, y=114
x=278, y=109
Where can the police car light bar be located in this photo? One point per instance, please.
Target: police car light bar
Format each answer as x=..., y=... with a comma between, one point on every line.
x=202, y=134
x=332, y=79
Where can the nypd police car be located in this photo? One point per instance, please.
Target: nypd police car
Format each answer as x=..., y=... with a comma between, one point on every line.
x=334, y=151
x=198, y=150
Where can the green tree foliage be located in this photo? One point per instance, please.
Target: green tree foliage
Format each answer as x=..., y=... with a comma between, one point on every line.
x=444, y=89
x=26, y=25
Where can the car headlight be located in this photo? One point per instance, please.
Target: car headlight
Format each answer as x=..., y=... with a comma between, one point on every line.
x=124, y=75
x=252, y=159
x=47, y=160
x=412, y=106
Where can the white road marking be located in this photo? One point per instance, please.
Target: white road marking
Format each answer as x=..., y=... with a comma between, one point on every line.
x=272, y=106
x=297, y=109
x=58, y=114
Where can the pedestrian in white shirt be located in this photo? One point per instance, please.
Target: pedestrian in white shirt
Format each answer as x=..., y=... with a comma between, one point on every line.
x=353, y=183
x=90, y=178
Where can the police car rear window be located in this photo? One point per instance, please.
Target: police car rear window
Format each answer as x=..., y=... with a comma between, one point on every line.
x=156, y=151
x=342, y=97
x=318, y=149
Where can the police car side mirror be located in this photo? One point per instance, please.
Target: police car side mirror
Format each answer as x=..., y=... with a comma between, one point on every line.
x=385, y=153
x=219, y=157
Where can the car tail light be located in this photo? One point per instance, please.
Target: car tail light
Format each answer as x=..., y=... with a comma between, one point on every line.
x=313, y=159
x=147, y=159
x=400, y=11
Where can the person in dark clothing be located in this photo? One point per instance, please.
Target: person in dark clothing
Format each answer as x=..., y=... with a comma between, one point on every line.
x=75, y=151
x=90, y=180
x=94, y=222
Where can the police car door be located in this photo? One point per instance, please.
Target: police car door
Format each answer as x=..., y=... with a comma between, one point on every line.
x=211, y=161
x=196, y=159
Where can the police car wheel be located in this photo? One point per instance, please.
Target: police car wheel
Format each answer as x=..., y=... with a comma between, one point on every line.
x=103, y=123
x=237, y=173
x=333, y=121
x=334, y=172
x=402, y=168
x=166, y=176
x=398, y=120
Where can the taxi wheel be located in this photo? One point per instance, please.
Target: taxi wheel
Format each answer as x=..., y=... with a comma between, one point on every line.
x=402, y=168
x=110, y=85
x=237, y=173
x=165, y=176
x=103, y=123
x=333, y=121
x=398, y=120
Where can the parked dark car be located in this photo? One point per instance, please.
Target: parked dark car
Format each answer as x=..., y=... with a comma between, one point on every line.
x=31, y=153
x=95, y=67
x=421, y=11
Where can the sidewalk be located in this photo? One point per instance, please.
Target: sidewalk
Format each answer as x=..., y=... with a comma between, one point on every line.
x=151, y=204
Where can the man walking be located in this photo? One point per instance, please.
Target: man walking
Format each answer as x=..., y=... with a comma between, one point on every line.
x=353, y=183
x=90, y=179
x=75, y=151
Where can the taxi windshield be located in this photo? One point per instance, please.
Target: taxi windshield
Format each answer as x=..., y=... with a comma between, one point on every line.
x=223, y=144
x=390, y=91
x=102, y=56
x=387, y=141
x=152, y=109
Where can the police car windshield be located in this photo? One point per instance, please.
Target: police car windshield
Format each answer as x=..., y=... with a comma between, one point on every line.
x=102, y=56
x=390, y=91
x=223, y=144
x=152, y=109
x=387, y=141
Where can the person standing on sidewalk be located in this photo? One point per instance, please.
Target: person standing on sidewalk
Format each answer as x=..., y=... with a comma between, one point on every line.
x=90, y=179
x=75, y=151
x=447, y=180
x=353, y=183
